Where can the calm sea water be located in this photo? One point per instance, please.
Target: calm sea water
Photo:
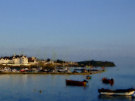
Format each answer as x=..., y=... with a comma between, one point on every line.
x=53, y=87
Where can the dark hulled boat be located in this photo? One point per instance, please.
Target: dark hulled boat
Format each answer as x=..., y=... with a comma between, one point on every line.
x=108, y=81
x=76, y=83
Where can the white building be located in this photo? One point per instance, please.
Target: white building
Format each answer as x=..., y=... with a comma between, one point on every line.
x=24, y=60
x=18, y=60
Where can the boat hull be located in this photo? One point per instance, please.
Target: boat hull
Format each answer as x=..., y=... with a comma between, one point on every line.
x=119, y=94
x=76, y=83
x=108, y=81
x=125, y=92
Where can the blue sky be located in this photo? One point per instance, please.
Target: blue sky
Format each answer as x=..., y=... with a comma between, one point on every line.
x=68, y=29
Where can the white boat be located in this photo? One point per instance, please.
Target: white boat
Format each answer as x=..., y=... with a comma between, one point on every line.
x=118, y=92
x=65, y=69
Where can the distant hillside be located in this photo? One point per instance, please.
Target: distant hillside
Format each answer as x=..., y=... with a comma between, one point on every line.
x=96, y=63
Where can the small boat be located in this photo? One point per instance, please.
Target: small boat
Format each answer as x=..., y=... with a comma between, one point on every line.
x=108, y=81
x=64, y=69
x=76, y=83
x=118, y=92
x=88, y=77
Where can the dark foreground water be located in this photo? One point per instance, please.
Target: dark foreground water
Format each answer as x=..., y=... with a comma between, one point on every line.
x=53, y=87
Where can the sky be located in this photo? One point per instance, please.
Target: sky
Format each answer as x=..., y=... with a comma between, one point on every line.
x=68, y=29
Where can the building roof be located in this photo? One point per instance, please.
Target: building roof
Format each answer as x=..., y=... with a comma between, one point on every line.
x=11, y=57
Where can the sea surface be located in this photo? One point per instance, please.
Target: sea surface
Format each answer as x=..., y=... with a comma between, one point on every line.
x=31, y=87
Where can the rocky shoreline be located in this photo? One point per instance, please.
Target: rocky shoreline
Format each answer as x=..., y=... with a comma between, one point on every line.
x=55, y=73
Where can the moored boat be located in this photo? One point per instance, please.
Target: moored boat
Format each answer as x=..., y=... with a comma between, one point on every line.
x=118, y=92
x=76, y=83
x=108, y=81
x=88, y=77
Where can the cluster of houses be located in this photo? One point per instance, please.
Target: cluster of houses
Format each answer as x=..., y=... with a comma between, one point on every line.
x=18, y=60
x=32, y=64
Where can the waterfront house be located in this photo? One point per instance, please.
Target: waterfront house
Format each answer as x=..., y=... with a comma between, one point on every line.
x=18, y=60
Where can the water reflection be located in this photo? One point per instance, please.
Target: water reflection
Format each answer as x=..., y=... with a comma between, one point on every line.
x=116, y=98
